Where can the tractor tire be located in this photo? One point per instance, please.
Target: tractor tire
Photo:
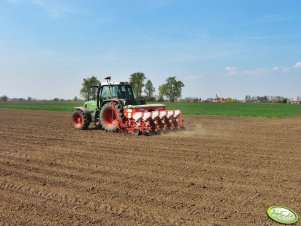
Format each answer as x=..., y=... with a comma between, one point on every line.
x=80, y=120
x=107, y=118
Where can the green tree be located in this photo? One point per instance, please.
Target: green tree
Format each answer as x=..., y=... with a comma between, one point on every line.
x=173, y=88
x=137, y=79
x=149, y=90
x=4, y=98
x=162, y=92
x=87, y=83
x=284, y=101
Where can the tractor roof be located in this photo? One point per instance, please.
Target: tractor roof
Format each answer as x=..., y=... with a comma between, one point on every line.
x=115, y=83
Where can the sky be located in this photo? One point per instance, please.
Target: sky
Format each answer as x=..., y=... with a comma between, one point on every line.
x=230, y=48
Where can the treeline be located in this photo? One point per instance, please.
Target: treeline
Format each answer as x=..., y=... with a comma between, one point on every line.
x=171, y=90
x=268, y=99
x=30, y=99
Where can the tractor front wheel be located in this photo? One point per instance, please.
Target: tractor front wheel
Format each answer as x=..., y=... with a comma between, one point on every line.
x=80, y=120
x=107, y=117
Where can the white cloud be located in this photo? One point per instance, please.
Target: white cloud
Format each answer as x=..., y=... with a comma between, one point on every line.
x=280, y=69
x=231, y=71
x=297, y=65
x=256, y=71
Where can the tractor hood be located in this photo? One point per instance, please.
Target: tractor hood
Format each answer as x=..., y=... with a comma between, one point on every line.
x=91, y=105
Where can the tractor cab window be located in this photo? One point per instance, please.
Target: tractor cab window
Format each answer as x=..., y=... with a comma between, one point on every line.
x=117, y=91
x=125, y=92
x=106, y=92
x=109, y=91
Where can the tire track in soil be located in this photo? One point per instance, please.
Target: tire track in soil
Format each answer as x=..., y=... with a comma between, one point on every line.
x=171, y=179
x=28, y=179
x=81, y=205
x=85, y=174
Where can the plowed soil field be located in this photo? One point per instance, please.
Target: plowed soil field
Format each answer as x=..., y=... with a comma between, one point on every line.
x=220, y=171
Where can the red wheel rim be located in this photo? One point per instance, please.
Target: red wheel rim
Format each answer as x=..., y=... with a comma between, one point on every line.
x=109, y=118
x=77, y=120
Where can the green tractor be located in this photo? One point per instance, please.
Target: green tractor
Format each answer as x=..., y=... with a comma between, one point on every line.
x=115, y=109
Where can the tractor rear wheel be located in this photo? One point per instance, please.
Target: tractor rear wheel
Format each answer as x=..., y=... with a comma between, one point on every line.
x=107, y=117
x=80, y=120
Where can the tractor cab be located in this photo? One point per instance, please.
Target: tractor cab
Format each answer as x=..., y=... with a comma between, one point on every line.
x=119, y=91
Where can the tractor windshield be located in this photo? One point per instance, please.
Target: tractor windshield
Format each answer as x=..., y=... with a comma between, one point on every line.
x=117, y=91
